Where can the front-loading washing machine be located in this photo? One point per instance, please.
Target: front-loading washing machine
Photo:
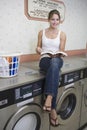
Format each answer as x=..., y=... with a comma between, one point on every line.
x=83, y=118
x=69, y=101
x=20, y=108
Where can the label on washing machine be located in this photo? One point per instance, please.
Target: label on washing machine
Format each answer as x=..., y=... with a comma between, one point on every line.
x=23, y=92
x=69, y=85
x=70, y=80
x=27, y=95
x=3, y=102
x=25, y=102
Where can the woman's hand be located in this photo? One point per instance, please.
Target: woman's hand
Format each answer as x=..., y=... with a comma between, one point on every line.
x=39, y=50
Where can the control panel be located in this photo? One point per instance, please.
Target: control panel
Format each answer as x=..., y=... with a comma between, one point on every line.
x=21, y=93
x=29, y=90
x=72, y=77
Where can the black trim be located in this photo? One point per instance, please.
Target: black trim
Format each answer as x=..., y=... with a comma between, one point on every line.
x=7, y=95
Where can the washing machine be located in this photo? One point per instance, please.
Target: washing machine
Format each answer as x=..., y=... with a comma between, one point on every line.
x=83, y=121
x=69, y=101
x=20, y=108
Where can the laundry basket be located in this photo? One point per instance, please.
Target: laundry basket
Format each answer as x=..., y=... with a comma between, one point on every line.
x=9, y=64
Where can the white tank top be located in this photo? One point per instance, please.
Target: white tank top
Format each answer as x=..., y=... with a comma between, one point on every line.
x=49, y=44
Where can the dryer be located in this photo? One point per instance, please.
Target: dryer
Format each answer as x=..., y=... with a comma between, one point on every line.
x=69, y=101
x=20, y=108
x=83, y=120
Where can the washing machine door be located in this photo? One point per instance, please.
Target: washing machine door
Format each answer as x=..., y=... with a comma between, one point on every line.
x=66, y=105
x=26, y=118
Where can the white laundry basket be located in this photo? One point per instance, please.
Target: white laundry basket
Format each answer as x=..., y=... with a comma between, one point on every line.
x=9, y=64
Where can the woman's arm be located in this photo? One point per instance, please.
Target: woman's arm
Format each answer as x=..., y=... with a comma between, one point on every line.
x=39, y=44
x=62, y=41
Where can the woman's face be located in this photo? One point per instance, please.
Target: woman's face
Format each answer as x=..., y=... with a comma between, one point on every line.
x=54, y=21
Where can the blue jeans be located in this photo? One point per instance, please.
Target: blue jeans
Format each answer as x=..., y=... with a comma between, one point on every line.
x=52, y=68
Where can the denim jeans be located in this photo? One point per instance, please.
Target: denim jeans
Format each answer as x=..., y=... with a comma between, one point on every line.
x=52, y=68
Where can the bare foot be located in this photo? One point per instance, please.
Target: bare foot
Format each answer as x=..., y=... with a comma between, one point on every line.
x=48, y=102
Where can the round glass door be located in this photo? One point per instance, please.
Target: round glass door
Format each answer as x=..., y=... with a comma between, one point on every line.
x=66, y=104
x=27, y=122
x=26, y=118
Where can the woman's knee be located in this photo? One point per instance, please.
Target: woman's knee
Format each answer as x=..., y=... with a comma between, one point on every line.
x=44, y=63
x=57, y=62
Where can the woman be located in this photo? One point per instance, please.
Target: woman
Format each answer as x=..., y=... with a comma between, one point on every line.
x=51, y=39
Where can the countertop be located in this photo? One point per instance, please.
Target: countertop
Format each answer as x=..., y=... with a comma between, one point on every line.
x=29, y=71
